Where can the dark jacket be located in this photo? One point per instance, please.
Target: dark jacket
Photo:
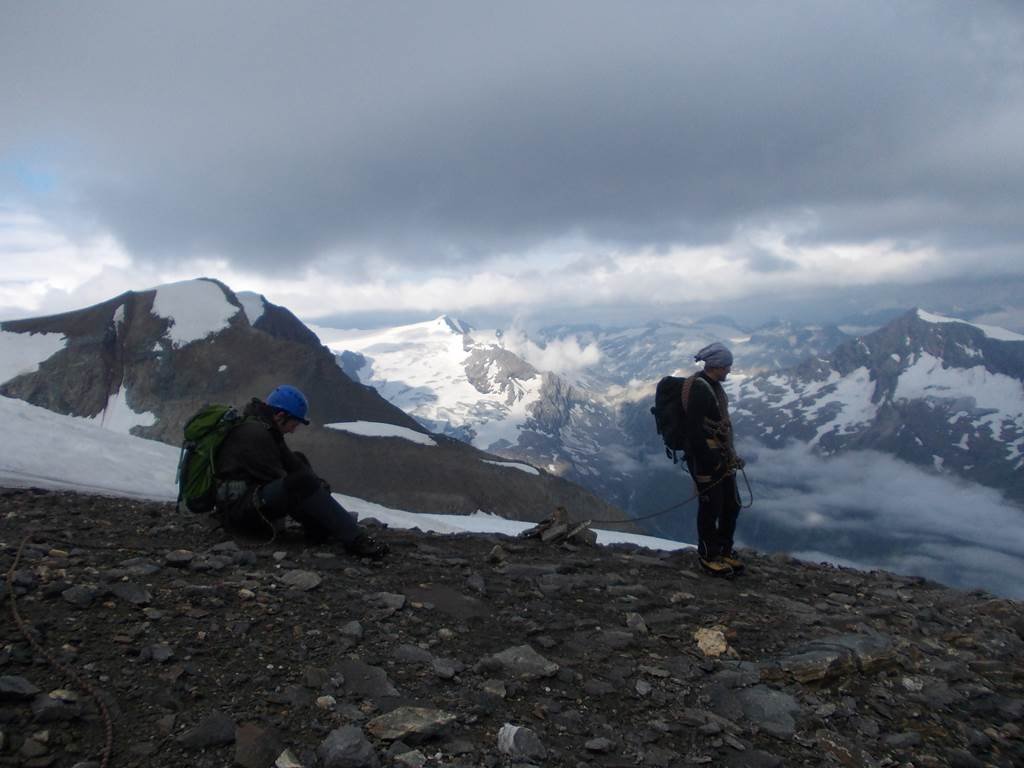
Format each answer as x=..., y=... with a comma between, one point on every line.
x=707, y=417
x=255, y=451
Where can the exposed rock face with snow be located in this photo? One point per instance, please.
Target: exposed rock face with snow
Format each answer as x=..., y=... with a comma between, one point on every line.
x=161, y=353
x=467, y=384
x=930, y=390
x=210, y=652
x=144, y=362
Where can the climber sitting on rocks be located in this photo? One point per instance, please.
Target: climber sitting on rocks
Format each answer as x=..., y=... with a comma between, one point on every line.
x=260, y=480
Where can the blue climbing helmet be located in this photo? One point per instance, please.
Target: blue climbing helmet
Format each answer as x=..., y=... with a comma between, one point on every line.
x=290, y=400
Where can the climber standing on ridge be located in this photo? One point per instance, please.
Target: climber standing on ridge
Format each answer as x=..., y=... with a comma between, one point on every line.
x=260, y=480
x=712, y=461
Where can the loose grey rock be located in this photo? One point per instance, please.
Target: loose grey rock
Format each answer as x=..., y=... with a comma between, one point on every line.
x=412, y=759
x=524, y=662
x=50, y=708
x=412, y=654
x=446, y=669
x=347, y=747
x=389, y=601
x=410, y=723
x=80, y=596
x=365, y=680
x=15, y=688
x=903, y=740
x=959, y=758
x=179, y=558
x=255, y=746
x=131, y=593
x=494, y=688
x=600, y=744
x=635, y=623
x=519, y=742
x=160, y=653
x=139, y=567
x=31, y=748
x=302, y=580
x=353, y=629
x=213, y=730
x=771, y=709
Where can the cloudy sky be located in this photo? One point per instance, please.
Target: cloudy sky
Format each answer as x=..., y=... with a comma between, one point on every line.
x=528, y=159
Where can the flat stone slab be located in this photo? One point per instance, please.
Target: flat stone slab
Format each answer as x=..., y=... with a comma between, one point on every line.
x=837, y=656
x=410, y=723
x=16, y=688
x=303, y=580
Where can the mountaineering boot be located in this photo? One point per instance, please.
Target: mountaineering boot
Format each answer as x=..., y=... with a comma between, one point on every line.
x=716, y=566
x=364, y=545
x=731, y=559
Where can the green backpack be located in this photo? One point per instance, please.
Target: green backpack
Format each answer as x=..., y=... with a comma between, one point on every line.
x=204, y=434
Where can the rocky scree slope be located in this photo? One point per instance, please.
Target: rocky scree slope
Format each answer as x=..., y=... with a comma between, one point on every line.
x=130, y=353
x=479, y=650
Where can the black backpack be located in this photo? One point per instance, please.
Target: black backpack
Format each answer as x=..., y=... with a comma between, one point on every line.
x=670, y=415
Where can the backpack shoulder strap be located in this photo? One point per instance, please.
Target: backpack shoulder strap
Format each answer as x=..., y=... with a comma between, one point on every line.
x=688, y=386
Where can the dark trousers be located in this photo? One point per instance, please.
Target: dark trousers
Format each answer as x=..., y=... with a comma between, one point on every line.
x=716, y=516
x=304, y=498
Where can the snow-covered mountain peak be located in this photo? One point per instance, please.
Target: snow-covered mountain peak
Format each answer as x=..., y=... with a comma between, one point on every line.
x=451, y=378
x=195, y=309
x=454, y=324
x=991, y=331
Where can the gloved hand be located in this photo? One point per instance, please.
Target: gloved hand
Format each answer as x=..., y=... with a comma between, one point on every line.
x=740, y=463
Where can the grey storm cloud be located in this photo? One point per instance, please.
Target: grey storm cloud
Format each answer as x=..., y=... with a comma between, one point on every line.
x=271, y=133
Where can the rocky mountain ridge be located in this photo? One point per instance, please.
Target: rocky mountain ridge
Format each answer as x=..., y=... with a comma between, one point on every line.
x=145, y=361
x=479, y=650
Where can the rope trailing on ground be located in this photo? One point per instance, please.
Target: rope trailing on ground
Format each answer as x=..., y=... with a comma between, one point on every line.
x=55, y=663
x=687, y=500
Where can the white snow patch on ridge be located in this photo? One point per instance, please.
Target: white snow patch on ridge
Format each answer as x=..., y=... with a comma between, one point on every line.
x=1002, y=396
x=118, y=416
x=853, y=393
x=380, y=429
x=515, y=465
x=992, y=331
x=23, y=352
x=252, y=304
x=926, y=377
x=197, y=307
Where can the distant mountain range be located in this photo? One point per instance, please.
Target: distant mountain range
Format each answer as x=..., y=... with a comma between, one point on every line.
x=142, y=362
x=930, y=390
